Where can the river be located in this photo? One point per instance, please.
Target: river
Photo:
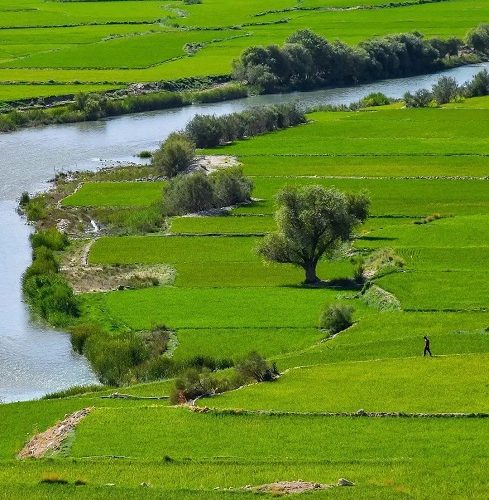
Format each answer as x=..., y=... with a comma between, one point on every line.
x=34, y=359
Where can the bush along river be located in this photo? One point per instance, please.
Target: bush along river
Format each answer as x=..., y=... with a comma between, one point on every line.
x=34, y=359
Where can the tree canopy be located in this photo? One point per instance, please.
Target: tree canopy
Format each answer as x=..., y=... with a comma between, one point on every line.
x=313, y=222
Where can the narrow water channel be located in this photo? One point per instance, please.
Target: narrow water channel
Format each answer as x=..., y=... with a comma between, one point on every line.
x=35, y=360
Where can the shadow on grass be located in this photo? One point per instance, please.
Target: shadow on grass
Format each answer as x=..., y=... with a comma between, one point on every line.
x=345, y=284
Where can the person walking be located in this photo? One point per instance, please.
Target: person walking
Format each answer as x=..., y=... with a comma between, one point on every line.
x=427, y=349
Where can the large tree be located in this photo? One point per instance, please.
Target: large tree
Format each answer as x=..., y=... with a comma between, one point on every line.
x=313, y=222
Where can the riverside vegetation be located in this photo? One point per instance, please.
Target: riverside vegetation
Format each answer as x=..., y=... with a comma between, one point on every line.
x=332, y=371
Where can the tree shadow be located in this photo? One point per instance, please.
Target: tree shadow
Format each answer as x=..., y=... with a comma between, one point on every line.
x=377, y=238
x=342, y=284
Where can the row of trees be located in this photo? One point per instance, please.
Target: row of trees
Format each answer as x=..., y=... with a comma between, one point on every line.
x=446, y=89
x=307, y=60
x=177, y=153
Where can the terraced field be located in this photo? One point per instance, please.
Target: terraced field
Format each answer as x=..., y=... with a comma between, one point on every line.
x=225, y=301
x=104, y=43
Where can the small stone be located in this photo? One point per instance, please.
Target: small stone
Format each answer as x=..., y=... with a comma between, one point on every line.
x=345, y=482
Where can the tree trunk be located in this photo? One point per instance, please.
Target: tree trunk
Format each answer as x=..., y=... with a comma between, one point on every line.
x=311, y=276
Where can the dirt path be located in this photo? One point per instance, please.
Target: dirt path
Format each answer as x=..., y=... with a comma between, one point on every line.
x=51, y=440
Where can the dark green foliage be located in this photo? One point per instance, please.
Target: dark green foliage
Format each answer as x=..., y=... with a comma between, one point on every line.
x=24, y=199
x=336, y=318
x=113, y=357
x=51, y=297
x=211, y=131
x=445, y=90
x=36, y=208
x=313, y=222
x=195, y=383
x=375, y=99
x=175, y=155
x=81, y=333
x=308, y=61
x=420, y=99
x=188, y=194
x=478, y=38
x=50, y=238
x=255, y=367
x=478, y=86
x=230, y=187
x=205, y=131
x=200, y=192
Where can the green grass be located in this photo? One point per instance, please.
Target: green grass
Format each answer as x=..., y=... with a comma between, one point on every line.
x=280, y=307
x=364, y=165
x=408, y=197
x=222, y=225
x=115, y=194
x=143, y=433
x=18, y=91
x=438, y=384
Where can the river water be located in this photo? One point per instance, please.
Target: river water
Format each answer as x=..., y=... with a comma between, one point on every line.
x=35, y=360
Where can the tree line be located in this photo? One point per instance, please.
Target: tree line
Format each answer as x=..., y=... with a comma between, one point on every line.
x=307, y=60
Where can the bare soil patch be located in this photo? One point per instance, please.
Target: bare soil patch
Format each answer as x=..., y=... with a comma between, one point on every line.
x=51, y=440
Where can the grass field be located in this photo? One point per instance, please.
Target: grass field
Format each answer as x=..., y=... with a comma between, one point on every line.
x=225, y=302
x=112, y=194
x=128, y=41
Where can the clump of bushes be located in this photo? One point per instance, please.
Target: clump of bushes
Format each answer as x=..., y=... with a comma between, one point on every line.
x=50, y=238
x=175, y=155
x=336, y=318
x=255, y=367
x=46, y=291
x=375, y=99
x=208, y=131
x=199, y=192
x=196, y=383
x=446, y=90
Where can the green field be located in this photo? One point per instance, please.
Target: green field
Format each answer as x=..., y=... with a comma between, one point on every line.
x=225, y=302
x=111, y=194
x=125, y=41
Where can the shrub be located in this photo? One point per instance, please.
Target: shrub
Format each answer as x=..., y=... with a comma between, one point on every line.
x=44, y=262
x=36, y=208
x=195, y=384
x=51, y=297
x=420, y=99
x=81, y=333
x=50, y=238
x=205, y=131
x=145, y=154
x=255, y=367
x=114, y=357
x=478, y=38
x=175, y=155
x=375, y=99
x=211, y=131
x=445, y=90
x=478, y=86
x=188, y=194
x=230, y=186
x=336, y=318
